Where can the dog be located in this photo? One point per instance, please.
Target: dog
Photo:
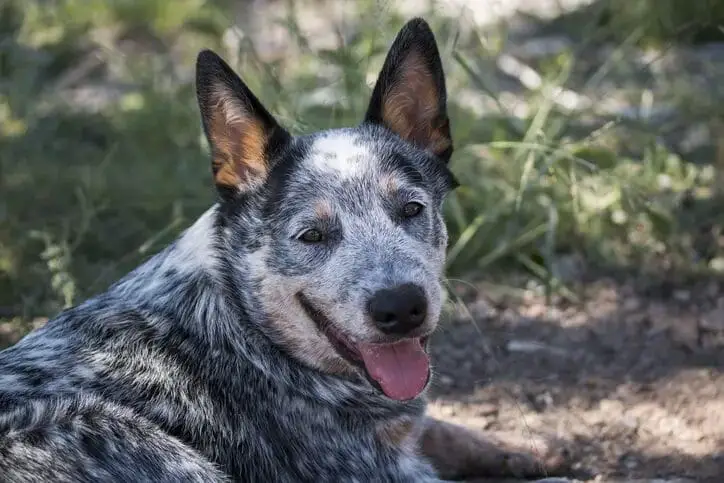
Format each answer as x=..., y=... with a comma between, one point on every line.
x=283, y=336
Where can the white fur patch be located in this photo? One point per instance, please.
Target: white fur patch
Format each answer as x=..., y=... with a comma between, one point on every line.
x=338, y=153
x=194, y=249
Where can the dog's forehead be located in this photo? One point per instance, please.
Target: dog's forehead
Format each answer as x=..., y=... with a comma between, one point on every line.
x=342, y=155
x=352, y=168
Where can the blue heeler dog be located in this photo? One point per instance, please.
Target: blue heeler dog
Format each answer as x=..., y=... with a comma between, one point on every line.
x=283, y=336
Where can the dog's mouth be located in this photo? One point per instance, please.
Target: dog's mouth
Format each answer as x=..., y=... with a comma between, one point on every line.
x=400, y=369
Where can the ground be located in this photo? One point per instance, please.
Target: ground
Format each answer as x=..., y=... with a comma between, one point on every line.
x=630, y=381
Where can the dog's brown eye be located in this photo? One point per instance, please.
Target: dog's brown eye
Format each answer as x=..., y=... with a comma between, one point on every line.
x=311, y=236
x=411, y=209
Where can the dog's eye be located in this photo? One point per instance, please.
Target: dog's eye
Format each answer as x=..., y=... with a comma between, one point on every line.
x=411, y=209
x=311, y=236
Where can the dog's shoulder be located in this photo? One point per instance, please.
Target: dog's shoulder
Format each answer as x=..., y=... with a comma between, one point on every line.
x=43, y=359
x=73, y=349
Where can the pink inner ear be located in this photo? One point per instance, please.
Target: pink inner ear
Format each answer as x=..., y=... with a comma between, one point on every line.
x=411, y=106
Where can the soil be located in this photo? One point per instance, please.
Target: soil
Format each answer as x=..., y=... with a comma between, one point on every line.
x=630, y=379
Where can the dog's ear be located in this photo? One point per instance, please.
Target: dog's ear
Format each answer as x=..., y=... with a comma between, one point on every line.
x=241, y=132
x=409, y=97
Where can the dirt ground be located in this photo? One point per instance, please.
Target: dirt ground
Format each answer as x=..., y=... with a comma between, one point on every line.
x=631, y=379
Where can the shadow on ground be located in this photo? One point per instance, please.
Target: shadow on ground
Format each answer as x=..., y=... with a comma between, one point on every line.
x=633, y=379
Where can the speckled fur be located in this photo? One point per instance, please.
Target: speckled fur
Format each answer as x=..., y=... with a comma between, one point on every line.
x=200, y=365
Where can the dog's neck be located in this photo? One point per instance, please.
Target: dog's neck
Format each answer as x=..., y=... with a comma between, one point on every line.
x=189, y=281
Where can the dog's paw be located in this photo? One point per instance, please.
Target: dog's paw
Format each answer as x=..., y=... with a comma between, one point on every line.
x=532, y=456
x=459, y=453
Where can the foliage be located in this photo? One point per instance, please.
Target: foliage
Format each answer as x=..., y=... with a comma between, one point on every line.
x=90, y=189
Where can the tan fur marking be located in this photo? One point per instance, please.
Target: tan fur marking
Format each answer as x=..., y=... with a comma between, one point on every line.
x=298, y=335
x=309, y=345
x=240, y=143
x=323, y=209
x=396, y=433
x=439, y=138
x=389, y=185
x=410, y=107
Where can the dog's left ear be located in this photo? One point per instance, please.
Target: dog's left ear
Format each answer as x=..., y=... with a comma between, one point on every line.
x=243, y=135
x=410, y=97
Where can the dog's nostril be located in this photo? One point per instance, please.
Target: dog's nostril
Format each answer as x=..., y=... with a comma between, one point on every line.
x=418, y=314
x=398, y=310
x=385, y=318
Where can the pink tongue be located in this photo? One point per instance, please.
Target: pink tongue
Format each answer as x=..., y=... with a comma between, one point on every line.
x=401, y=368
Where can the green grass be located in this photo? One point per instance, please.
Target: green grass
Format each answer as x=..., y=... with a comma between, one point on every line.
x=88, y=195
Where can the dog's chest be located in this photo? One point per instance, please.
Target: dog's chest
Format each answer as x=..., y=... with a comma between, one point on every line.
x=304, y=443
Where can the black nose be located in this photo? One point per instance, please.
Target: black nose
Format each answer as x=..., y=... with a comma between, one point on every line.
x=398, y=310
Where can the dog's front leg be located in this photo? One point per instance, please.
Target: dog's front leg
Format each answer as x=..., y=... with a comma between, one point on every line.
x=459, y=453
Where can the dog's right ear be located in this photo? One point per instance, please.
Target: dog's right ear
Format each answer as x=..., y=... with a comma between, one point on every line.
x=241, y=132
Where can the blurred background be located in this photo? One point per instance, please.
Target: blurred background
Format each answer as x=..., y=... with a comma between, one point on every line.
x=586, y=246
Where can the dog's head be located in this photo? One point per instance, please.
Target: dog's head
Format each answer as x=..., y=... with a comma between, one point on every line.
x=340, y=234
